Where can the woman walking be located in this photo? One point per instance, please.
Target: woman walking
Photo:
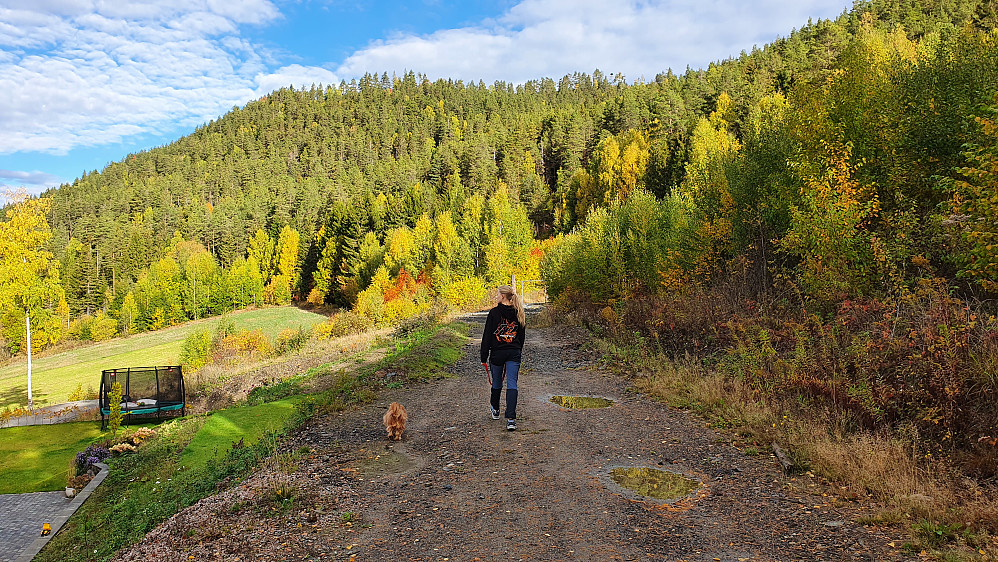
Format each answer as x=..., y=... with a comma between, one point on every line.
x=502, y=346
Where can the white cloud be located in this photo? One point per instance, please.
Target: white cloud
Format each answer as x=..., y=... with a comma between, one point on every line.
x=79, y=73
x=30, y=178
x=83, y=73
x=538, y=38
x=297, y=75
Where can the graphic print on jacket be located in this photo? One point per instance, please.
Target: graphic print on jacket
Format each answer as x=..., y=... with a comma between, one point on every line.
x=506, y=331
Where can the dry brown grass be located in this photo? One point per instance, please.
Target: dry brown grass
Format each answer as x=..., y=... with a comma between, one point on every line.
x=217, y=386
x=687, y=384
x=547, y=317
x=922, y=493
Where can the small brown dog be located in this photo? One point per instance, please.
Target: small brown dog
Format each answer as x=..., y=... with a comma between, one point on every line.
x=395, y=421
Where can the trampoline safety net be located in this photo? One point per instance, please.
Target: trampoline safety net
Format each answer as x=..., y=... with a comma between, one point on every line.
x=144, y=391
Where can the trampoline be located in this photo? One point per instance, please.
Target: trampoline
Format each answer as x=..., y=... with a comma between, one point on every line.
x=145, y=391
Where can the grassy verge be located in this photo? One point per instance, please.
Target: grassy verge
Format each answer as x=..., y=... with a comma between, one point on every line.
x=240, y=424
x=37, y=458
x=419, y=355
x=951, y=518
x=56, y=375
x=195, y=457
x=190, y=459
x=425, y=353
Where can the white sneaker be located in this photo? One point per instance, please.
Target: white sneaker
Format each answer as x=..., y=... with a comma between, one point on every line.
x=510, y=425
x=494, y=412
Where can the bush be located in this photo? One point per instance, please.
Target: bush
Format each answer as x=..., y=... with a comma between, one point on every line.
x=114, y=418
x=413, y=324
x=343, y=324
x=292, y=340
x=122, y=448
x=246, y=341
x=400, y=309
x=316, y=297
x=925, y=359
x=80, y=327
x=91, y=456
x=371, y=303
x=80, y=394
x=278, y=291
x=103, y=327
x=99, y=327
x=196, y=350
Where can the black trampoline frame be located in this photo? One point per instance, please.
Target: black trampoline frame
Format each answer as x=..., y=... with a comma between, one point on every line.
x=170, y=399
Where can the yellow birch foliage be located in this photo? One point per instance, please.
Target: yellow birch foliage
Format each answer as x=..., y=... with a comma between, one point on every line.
x=830, y=230
x=287, y=252
x=975, y=204
x=29, y=275
x=616, y=169
x=713, y=150
x=446, y=241
x=400, y=246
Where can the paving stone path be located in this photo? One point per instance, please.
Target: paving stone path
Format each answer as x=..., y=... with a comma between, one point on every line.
x=22, y=516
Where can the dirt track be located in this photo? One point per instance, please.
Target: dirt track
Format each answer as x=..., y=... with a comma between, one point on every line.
x=459, y=487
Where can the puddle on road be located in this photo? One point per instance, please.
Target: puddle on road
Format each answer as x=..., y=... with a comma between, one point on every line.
x=388, y=462
x=581, y=402
x=654, y=483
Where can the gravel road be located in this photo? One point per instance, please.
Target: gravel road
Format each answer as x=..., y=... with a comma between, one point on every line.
x=460, y=487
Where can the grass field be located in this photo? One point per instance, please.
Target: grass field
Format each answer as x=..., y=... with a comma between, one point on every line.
x=36, y=458
x=55, y=376
x=226, y=427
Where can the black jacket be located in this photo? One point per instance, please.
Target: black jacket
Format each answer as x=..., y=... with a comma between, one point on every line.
x=503, y=336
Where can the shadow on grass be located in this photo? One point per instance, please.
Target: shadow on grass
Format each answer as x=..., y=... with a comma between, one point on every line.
x=17, y=395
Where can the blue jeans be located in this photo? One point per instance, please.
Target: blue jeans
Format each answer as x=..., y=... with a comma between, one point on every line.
x=511, y=369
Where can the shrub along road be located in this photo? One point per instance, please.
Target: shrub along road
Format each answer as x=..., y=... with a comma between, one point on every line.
x=460, y=487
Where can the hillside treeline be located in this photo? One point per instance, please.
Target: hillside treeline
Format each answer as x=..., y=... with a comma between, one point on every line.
x=833, y=243
x=422, y=188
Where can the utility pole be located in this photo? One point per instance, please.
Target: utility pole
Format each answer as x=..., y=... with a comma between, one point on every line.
x=27, y=325
x=27, y=333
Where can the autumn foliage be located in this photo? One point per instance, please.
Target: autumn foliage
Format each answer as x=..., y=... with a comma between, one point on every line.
x=834, y=253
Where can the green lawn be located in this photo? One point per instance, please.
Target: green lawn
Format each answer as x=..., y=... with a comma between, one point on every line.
x=36, y=458
x=55, y=376
x=228, y=426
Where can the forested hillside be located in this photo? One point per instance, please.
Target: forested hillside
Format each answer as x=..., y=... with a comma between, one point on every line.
x=399, y=188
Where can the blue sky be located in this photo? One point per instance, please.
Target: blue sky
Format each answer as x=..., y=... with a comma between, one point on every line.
x=87, y=82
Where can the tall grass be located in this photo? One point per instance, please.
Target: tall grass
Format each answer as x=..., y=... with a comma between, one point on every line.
x=822, y=390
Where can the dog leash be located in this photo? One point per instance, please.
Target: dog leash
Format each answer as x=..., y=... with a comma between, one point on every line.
x=488, y=374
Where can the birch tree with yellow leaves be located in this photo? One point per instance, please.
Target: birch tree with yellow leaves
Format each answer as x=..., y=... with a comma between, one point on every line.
x=31, y=297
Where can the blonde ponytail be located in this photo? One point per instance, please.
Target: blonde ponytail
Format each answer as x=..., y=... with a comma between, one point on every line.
x=517, y=302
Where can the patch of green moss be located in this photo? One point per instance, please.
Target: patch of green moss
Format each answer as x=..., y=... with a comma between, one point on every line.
x=654, y=483
x=581, y=402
